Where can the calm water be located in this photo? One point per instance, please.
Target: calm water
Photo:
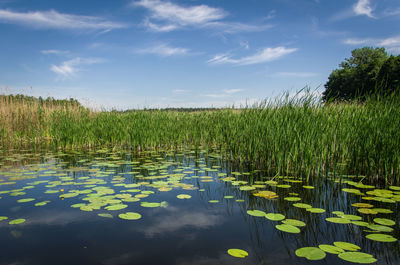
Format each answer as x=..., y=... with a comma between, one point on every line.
x=179, y=231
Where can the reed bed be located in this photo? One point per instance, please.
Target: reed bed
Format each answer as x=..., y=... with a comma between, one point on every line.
x=287, y=136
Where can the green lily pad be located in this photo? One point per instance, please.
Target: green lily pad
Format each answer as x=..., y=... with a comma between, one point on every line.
x=17, y=221
x=360, y=223
x=380, y=210
x=338, y=220
x=352, y=217
x=25, y=200
x=384, y=221
x=288, y=228
x=275, y=216
x=315, y=210
x=310, y=253
x=362, y=205
x=238, y=253
x=294, y=222
x=130, y=216
x=308, y=187
x=367, y=211
x=380, y=228
x=213, y=201
x=302, y=205
x=292, y=199
x=42, y=203
x=183, y=196
x=394, y=187
x=116, y=207
x=150, y=204
x=256, y=213
x=247, y=188
x=3, y=218
x=381, y=238
x=228, y=197
x=346, y=246
x=107, y=215
x=331, y=249
x=357, y=257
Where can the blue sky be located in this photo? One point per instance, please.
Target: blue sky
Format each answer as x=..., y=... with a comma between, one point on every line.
x=183, y=53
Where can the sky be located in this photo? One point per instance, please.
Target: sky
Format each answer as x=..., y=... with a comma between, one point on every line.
x=124, y=54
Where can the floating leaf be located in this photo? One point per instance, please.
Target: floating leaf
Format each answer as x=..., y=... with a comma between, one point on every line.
x=213, y=201
x=302, y=205
x=150, y=204
x=380, y=210
x=294, y=222
x=357, y=257
x=130, y=216
x=315, y=210
x=292, y=199
x=380, y=228
x=107, y=215
x=116, y=207
x=352, y=217
x=238, y=253
x=17, y=221
x=362, y=205
x=228, y=197
x=367, y=211
x=26, y=200
x=183, y=196
x=3, y=218
x=283, y=186
x=346, y=246
x=42, y=203
x=275, y=216
x=288, y=228
x=256, y=213
x=360, y=223
x=247, y=188
x=384, y=221
x=381, y=238
x=310, y=253
x=308, y=187
x=394, y=187
x=338, y=220
x=331, y=249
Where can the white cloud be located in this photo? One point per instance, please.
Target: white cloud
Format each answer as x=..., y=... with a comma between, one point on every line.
x=232, y=91
x=163, y=50
x=71, y=67
x=392, y=44
x=55, y=20
x=363, y=7
x=166, y=16
x=57, y=52
x=265, y=55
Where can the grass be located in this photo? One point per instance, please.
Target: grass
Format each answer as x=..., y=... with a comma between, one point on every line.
x=287, y=136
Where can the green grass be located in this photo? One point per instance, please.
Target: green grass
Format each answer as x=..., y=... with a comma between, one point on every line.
x=287, y=136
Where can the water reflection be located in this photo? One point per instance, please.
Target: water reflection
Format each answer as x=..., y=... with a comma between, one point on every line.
x=192, y=231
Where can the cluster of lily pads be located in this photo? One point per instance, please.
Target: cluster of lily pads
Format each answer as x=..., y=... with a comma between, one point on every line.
x=345, y=251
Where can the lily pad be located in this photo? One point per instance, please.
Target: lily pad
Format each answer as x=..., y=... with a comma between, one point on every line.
x=3, y=218
x=274, y=216
x=288, y=228
x=346, y=246
x=256, y=213
x=238, y=253
x=294, y=222
x=352, y=217
x=362, y=205
x=116, y=207
x=292, y=199
x=331, y=249
x=357, y=257
x=338, y=220
x=308, y=187
x=310, y=253
x=367, y=211
x=130, y=216
x=380, y=228
x=360, y=223
x=184, y=196
x=315, y=210
x=107, y=215
x=384, y=221
x=302, y=205
x=26, y=200
x=381, y=238
x=17, y=221
x=213, y=201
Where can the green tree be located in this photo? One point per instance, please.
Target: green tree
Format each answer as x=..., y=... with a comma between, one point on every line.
x=389, y=75
x=357, y=76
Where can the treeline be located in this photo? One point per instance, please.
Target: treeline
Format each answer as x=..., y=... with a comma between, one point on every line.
x=49, y=101
x=369, y=71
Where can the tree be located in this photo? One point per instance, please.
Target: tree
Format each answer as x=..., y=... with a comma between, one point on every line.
x=389, y=75
x=357, y=76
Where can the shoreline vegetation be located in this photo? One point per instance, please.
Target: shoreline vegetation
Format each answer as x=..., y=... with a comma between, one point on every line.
x=288, y=136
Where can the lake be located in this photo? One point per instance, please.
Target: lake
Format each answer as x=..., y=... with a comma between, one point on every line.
x=186, y=207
